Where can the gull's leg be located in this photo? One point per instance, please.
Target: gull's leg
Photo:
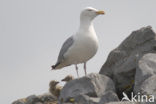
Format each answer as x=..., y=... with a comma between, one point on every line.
x=85, y=69
x=77, y=70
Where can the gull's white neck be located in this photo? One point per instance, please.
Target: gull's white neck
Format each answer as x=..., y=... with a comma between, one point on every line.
x=86, y=25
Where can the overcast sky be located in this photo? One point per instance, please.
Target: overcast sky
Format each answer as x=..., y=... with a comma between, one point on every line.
x=33, y=31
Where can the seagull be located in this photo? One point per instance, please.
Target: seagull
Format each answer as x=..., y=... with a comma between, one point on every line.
x=81, y=46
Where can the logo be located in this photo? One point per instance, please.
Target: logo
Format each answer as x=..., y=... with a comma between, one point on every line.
x=138, y=98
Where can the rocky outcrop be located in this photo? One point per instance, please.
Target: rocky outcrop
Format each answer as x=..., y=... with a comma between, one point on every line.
x=85, y=99
x=146, y=68
x=145, y=77
x=148, y=87
x=41, y=99
x=129, y=71
x=92, y=85
x=122, y=62
x=109, y=96
x=126, y=102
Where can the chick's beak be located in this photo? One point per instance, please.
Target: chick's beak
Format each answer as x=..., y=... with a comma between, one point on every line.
x=56, y=82
x=100, y=12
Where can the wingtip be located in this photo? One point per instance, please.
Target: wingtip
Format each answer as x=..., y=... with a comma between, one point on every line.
x=52, y=67
x=62, y=80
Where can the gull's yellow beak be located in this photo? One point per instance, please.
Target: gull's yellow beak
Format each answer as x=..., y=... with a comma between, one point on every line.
x=100, y=12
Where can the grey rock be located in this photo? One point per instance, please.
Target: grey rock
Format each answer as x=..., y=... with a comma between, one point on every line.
x=67, y=103
x=47, y=97
x=148, y=87
x=84, y=99
x=41, y=99
x=38, y=103
x=125, y=102
x=122, y=62
x=93, y=85
x=19, y=102
x=146, y=68
x=32, y=99
x=109, y=96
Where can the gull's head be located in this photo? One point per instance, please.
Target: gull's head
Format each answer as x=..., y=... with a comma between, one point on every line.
x=90, y=13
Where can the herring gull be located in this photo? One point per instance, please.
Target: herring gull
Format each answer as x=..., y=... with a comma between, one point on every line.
x=81, y=46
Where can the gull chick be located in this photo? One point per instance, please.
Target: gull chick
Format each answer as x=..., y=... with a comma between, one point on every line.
x=54, y=88
x=81, y=46
x=68, y=78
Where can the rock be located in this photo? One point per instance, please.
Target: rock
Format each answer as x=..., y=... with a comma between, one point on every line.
x=148, y=87
x=38, y=103
x=84, y=99
x=109, y=96
x=68, y=103
x=146, y=68
x=93, y=85
x=122, y=62
x=46, y=98
x=20, y=101
x=125, y=102
x=53, y=102
x=32, y=99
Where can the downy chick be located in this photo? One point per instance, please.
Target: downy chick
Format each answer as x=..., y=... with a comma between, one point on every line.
x=54, y=88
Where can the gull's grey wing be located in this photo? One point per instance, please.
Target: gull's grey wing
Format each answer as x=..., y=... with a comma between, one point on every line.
x=66, y=45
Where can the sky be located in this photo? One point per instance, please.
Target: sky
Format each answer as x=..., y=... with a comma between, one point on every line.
x=33, y=31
